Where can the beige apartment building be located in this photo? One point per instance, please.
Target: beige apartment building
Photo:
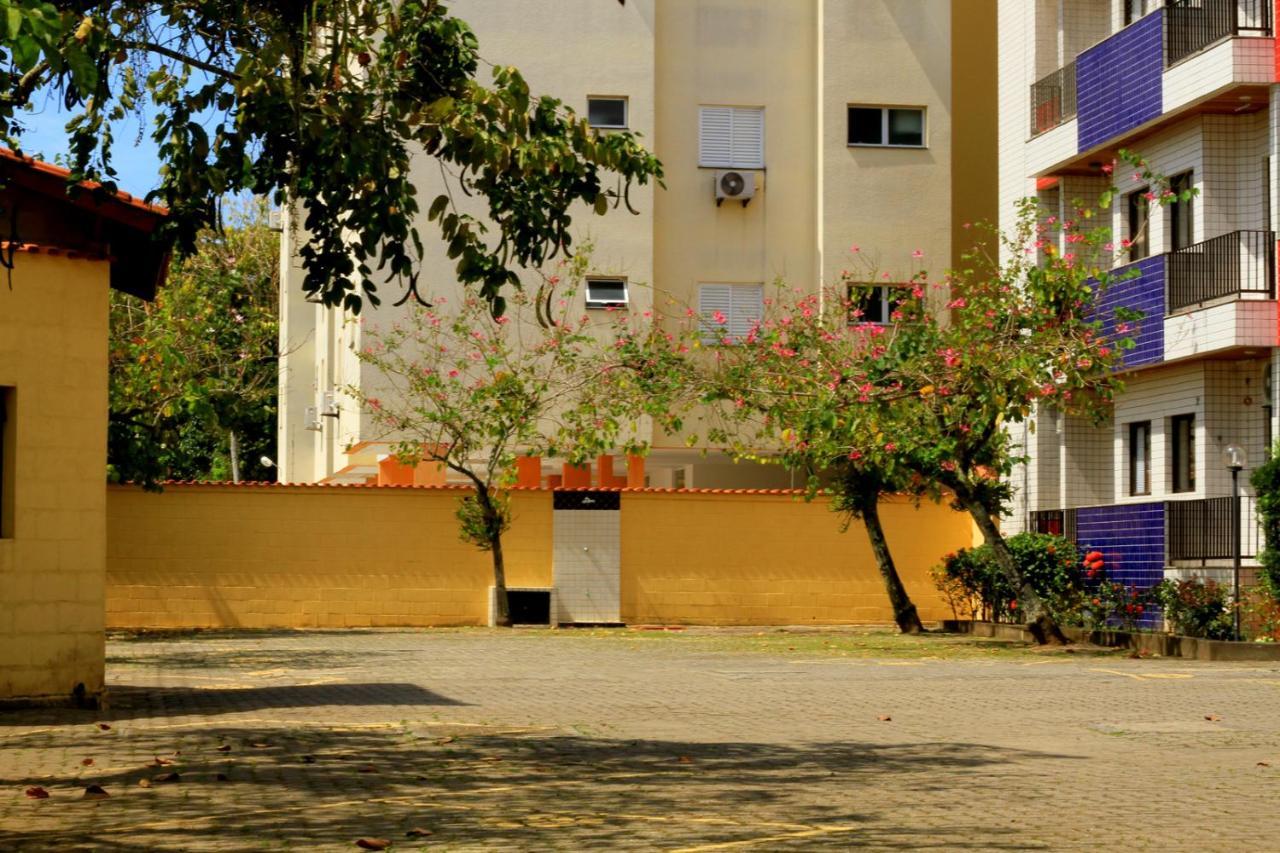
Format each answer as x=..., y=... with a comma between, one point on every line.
x=789, y=131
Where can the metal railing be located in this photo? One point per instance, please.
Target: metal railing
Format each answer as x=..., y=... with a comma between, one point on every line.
x=1059, y=522
x=1190, y=26
x=1233, y=264
x=1201, y=529
x=1053, y=99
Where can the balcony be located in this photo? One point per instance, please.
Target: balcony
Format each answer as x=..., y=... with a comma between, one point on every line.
x=1195, y=25
x=1199, y=531
x=1237, y=265
x=1053, y=100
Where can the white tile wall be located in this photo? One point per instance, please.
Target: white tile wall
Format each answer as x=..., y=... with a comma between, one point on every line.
x=1242, y=323
x=586, y=563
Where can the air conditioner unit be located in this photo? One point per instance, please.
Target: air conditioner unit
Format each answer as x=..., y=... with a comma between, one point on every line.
x=735, y=185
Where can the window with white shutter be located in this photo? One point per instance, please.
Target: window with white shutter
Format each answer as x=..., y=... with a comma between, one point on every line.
x=731, y=137
x=729, y=308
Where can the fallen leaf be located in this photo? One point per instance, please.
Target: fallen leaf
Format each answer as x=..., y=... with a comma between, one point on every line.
x=35, y=792
x=374, y=843
x=1213, y=718
x=167, y=777
x=418, y=832
x=106, y=727
x=161, y=762
x=220, y=777
x=226, y=747
x=368, y=768
x=86, y=761
x=259, y=744
x=1260, y=764
x=95, y=792
x=442, y=741
x=144, y=783
x=885, y=718
x=684, y=759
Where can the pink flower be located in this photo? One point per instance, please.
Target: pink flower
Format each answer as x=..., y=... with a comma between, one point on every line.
x=453, y=374
x=890, y=447
x=917, y=254
x=719, y=317
x=957, y=303
x=854, y=248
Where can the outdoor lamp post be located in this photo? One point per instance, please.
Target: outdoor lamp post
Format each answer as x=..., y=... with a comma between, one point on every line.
x=1235, y=460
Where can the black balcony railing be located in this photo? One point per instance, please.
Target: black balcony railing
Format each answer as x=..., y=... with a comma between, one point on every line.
x=1192, y=25
x=1053, y=99
x=1201, y=529
x=1233, y=264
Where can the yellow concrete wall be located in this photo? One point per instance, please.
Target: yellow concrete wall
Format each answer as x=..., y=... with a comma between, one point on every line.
x=53, y=351
x=299, y=557
x=260, y=557
x=723, y=559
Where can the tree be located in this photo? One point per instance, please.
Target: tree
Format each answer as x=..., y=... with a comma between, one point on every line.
x=194, y=375
x=325, y=105
x=471, y=392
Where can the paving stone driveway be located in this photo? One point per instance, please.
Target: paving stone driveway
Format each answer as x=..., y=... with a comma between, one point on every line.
x=562, y=740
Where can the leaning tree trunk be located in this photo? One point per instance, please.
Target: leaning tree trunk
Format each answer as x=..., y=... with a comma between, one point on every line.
x=904, y=611
x=493, y=524
x=1038, y=619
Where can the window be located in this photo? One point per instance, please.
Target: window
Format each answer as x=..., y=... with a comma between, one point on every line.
x=1136, y=9
x=729, y=308
x=731, y=137
x=1181, y=213
x=1183, y=428
x=1140, y=458
x=606, y=293
x=887, y=126
x=607, y=113
x=1136, y=229
x=8, y=448
x=873, y=303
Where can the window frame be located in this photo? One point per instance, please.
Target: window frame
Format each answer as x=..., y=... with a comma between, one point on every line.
x=1182, y=479
x=8, y=458
x=1131, y=14
x=1136, y=427
x=626, y=112
x=884, y=110
x=1182, y=216
x=887, y=305
x=604, y=304
x=1137, y=224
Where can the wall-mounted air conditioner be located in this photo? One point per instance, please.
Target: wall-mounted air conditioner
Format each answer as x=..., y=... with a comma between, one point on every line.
x=735, y=185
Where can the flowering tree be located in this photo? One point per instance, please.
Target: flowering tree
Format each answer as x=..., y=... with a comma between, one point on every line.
x=472, y=393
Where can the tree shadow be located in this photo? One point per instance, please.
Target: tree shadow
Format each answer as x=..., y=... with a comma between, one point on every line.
x=309, y=786
x=127, y=702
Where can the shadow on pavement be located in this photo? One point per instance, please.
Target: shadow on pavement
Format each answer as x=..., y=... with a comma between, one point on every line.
x=304, y=787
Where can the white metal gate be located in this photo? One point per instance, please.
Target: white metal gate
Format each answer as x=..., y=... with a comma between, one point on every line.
x=586, y=556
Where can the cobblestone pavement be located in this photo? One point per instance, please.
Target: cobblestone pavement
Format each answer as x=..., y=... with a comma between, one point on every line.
x=535, y=740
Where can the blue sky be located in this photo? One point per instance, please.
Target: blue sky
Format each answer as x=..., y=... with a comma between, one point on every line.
x=135, y=159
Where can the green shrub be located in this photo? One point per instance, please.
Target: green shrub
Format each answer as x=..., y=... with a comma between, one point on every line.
x=1049, y=563
x=1196, y=608
x=1266, y=483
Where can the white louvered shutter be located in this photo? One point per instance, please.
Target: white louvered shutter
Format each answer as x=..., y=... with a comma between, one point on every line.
x=748, y=139
x=713, y=298
x=715, y=137
x=748, y=309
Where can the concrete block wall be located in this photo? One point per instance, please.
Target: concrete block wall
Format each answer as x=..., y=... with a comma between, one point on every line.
x=205, y=556
x=53, y=357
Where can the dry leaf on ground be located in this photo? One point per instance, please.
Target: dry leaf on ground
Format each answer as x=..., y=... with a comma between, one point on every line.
x=86, y=761
x=35, y=792
x=226, y=747
x=106, y=727
x=144, y=783
x=1213, y=718
x=885, y=718
x=418, y=832
x=373, y=843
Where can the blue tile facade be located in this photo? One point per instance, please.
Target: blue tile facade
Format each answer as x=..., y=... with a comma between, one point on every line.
x=1143, y=292
x=1131, y=539
x=1119, y=82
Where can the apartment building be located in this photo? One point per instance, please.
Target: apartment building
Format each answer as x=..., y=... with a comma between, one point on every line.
x=789, y=130
x=1191, y=85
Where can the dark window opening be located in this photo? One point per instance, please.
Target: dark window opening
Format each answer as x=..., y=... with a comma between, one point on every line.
x=8, y=451
x=1183, y=428
x=873, y=303
x=1137, y=224
x=1181, y=214
x=607, y=112
x=529, y=606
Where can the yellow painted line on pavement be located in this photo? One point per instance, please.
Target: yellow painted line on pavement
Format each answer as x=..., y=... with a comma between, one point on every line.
x=1043, y=662
x=767, y=839
x=1143, y=676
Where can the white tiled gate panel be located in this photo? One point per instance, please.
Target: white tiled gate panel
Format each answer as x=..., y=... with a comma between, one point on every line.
x=586, y=565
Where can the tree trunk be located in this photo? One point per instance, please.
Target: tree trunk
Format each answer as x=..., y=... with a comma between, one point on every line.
x=234, y=442
x=493, y=523
x=1038, y=620
x=904, y=611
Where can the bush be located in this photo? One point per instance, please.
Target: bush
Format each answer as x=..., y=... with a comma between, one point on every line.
x=1111, y=604
x=1196, y=608
x=971, y=580
x=1266, y=483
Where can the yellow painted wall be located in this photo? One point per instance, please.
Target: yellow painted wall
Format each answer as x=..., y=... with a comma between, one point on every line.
x=974, y=190
x=53, y=351
x=299, y=557
x=723, y=559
